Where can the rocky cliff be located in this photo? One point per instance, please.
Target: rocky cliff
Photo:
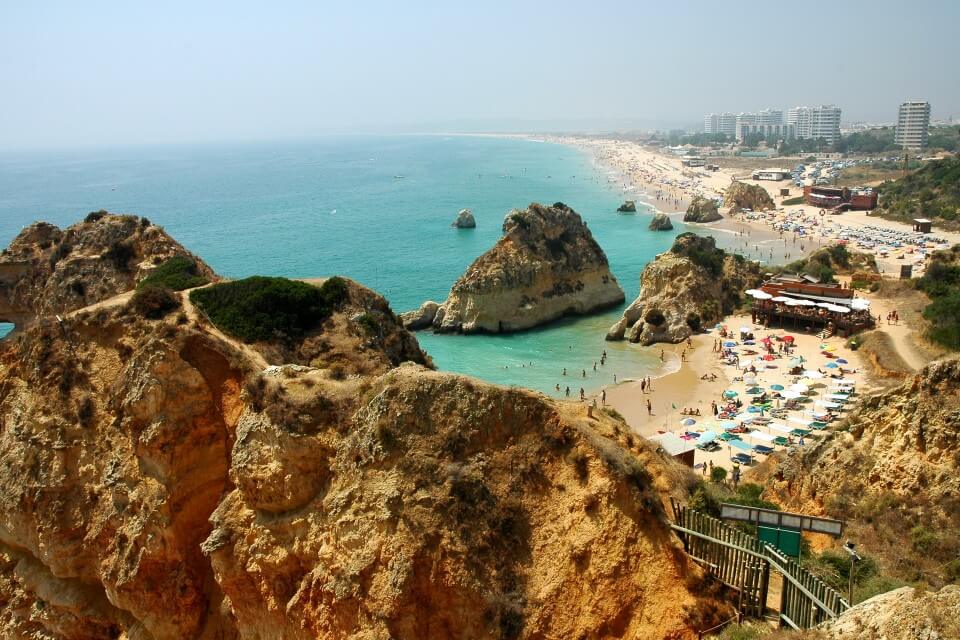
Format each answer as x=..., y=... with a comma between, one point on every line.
x=902, y=614
x=47, y=270
x=894, y=468
x=702, y=209
x=740, y=195
x=161, y=481
x=689, y=287
x=547, y=265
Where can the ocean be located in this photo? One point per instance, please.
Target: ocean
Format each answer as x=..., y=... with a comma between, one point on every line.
x=375, y=209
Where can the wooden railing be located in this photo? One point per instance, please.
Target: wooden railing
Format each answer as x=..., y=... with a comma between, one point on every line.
x=743, y=562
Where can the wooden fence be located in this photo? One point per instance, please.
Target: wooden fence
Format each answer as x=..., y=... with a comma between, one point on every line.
x=743, y=562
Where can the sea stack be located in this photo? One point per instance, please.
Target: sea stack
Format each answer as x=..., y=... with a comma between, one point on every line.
x=628, y=206
x=689, y=287
x=547, y=265
x=740, y=195
x=701, y=210
x=661, y=222
x=464, y=220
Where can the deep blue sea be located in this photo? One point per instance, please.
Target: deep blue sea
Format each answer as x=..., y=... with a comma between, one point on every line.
x=340, y=206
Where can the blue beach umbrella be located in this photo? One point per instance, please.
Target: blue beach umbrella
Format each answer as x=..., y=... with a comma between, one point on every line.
x=729, y=394
x=728, y=424
x=841, y=361
x=728, y=343
x=776, y=387
x=832, y=365
x=688, y=422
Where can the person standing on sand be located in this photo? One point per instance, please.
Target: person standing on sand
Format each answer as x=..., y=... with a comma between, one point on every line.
x=582, y=395
x=649, y=384
x=603, y=397
x=649, y=408
x=643, y=385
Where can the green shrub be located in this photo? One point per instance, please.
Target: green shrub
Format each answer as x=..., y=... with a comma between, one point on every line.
x=120, y=254
x=369, y=323
x=944, y=316
x=93, y=216
x=262, y=308
x=177, y=273
x=154, y=302
x=718, y=475
x=694, y=321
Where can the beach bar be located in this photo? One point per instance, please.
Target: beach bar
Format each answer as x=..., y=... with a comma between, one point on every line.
x=795, y=302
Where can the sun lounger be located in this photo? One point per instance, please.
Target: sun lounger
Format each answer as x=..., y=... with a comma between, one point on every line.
x=742, y=458
x=762, y=449
x=781, y=441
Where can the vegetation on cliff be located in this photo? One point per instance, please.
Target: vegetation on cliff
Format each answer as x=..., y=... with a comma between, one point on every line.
x=932, y=191
x=176, y=273
x=941, y=282
x=831, y=261
x=264, y=308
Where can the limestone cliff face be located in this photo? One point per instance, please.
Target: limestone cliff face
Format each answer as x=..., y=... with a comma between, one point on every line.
x=547, y=265
x=902, y=614
x=691, y=286
x=47, y=270
x=740, y=195
x=160, y=482
x=902, y=442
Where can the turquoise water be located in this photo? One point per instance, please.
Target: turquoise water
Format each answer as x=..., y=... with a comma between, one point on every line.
x=336, y=206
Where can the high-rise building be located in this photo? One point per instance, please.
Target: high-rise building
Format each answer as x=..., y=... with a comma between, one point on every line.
x=814, y=123
x=725, y=123
x=768, y=122
x=913, y=125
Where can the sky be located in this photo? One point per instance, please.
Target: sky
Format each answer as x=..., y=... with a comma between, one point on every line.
x=107, y=73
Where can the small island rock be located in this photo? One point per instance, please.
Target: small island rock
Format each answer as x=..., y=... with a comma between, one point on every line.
x=465, y=220
x=702, y=210
x=661, y=222
x=628, y=207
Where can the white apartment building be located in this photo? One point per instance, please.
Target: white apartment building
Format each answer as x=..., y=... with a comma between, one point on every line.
x=768, y=122
x=725, y=123
x=814, y=123
x=913, y=125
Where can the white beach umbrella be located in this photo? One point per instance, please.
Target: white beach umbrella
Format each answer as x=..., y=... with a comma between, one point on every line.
x=813, y=375
x=800, y=421
x=791, y=395
x=799, y=387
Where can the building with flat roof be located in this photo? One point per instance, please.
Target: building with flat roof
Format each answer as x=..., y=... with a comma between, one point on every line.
x=771, y=174
x=815, y=123
x=913, y=125
x=840, y=198
x=725, y=123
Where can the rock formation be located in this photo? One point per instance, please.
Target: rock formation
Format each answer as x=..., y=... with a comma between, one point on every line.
x=629, y=206
x=661, y=222
x=47, y=270
x=546, y=265
x=907, y=613
x=702, y=210
x=691, y=286
x=465, y=220
x=161, y=482
x=740, y=195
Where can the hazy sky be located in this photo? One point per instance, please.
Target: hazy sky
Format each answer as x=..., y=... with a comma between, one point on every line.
x=78, y=73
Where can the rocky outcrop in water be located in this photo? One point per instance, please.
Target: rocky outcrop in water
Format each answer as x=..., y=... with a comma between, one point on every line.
x=661, y=222
x=702, y=210
x=160, y=481
x=465, y=220
x=688, y=288
x=629, y=206
x=740, y=195
x=547, y=265
x=47, y=270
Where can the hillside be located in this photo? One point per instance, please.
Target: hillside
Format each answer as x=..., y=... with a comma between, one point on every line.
x=932, y=191
x=892, y=471
x=160, y=481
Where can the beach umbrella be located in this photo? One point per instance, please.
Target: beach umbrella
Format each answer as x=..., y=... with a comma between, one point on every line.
x=788, y=338
x=729, y=343
x=755, y=391
x=745, y=329
x=728, y=424
x=797, y=361
x=832, y=365
x=776, y=387
x=769, y=357
x=688, y=422
x=792, y=395
x=730, y=394
x=842, y=361
x=799, y=387
x=813, y=375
